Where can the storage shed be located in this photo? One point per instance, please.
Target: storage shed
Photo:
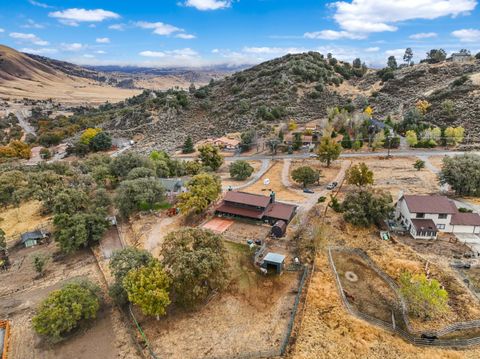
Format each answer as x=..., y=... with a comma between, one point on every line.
x=30, y=239
x=279, y=229
x=274, y=260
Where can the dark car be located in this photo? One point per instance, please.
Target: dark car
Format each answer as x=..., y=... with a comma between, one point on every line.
x=307, y=190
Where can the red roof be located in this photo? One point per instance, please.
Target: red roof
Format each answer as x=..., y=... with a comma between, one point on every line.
x=247, y=198
x=424, y=224
x=465, y=219
x=240, y=211
x=430, y=204
x=281, y=211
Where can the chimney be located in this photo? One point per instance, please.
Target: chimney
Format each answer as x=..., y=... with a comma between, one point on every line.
x=272, y=197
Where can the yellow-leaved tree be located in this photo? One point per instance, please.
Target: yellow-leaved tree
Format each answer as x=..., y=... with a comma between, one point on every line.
x=89, y=134
x=368, y=111
x=454, y=135
x=423, y=106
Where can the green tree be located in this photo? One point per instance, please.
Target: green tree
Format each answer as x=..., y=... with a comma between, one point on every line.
x=210, y=156
x=378, y=140
x=454, y=135
x=101, y=142
x=346, y=141
x=305, y=175
x=419, y=165
x=140, y=194
x=197, y=262
x=357, y=145
x=125, y=162
x=79, y=230
x=392, y=62
x=461, y=173
x=436, y=55
x=425, y=297
x=88, y=135
x=121, y=262
x=148, y=287
x=141, y=172
x=188, y=146
x=366, y=207
x=70, y=201
x=3, y=240
x=240, y=170
x=203, y=189
x=408, y=56
x=39, y=262
x=273, y=144
x=247, y=140
x=359, y=175
x=328, y=150
x=65, y=309
x=411, y=137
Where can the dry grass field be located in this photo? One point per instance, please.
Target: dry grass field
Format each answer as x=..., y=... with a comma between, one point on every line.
x=26, y=217
x=224, y=173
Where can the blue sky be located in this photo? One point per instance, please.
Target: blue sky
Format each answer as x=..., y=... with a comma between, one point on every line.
x=210, y=32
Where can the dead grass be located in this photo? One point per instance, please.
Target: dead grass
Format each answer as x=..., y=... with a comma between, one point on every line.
x=276, y=185
x=397, y=174
x=328, y=331
x=25, y=218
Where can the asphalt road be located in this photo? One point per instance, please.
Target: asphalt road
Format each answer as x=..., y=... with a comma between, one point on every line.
x=400, y=153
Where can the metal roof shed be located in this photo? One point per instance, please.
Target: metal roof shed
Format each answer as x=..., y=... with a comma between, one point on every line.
x=274, y=260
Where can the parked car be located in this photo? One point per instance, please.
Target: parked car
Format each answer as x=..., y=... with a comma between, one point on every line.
x=332, y=185
x=307, y=190
x=313, y=155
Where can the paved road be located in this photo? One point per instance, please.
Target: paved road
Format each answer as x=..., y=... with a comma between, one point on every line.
x=401, y=153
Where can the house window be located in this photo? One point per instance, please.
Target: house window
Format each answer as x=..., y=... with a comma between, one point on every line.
x=440, y=226
x=420, y=215
x=442, y=216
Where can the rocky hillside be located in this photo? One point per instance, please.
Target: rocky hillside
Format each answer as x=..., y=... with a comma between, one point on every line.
x=301, y=86
x=452, y=89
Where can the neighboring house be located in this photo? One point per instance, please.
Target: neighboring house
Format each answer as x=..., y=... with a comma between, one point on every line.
x=256, y=207
x=227, y=144
x=461, y=57
x=173, y=186
x=424, y=216
x=30, y=239
x=305, y=139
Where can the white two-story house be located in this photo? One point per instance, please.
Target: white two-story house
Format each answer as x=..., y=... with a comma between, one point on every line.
x=425, y=216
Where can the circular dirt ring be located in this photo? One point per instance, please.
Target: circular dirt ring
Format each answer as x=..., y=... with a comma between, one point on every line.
x=350, y=276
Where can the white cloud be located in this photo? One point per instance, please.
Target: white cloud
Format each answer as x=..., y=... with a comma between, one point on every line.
x=118, y=27
x=372, y=49
x=185, y=36
x=467, y=35
x=273, y=50
x=75, y=46
x=100, y=52
x=149, y=53
x=332, y=35
x=89, y=56
x=208, y=4
x=103, y=40
x=2, y=30
x=423, y=35
x=30, y=24
x=159, y=28
x=40, y=4
x=368, y=16
x=398, y=53
x=41, y=51
x=34, y=39
x=73, y=16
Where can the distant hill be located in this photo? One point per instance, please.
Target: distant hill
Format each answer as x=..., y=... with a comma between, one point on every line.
x=34, y=77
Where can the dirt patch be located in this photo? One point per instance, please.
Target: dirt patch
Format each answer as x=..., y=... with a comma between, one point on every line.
x=328, y=174
x=397, y=174
x=241, y=231
x=218, y=225
x=250, y=316
x=21, y=293
x=274, y=174
x=26, y=217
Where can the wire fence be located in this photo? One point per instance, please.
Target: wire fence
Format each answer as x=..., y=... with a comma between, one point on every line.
x=414, y=337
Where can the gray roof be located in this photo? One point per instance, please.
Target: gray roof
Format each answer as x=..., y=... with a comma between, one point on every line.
x=274, y=258
x=32, y=235
x=172, y=184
